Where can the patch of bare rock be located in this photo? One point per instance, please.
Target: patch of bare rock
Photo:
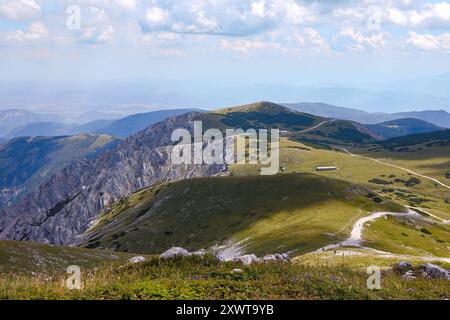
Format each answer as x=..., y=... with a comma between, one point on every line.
x=245, y=259
x=428, y=271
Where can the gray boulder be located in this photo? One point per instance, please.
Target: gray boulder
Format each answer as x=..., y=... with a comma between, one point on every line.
x=175, y=252
x=237, y=271
x=409, y=275
x=136, y=259
x=199, y=253
x=403, y=267
x=275, y=257
x=430, y=270
x=247, y=259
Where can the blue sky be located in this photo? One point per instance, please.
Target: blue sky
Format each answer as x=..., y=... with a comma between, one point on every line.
x=223, y=42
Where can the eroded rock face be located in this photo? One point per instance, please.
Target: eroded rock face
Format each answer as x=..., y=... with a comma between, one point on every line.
x=430, y=270
x=7, y=195
x=60, y=210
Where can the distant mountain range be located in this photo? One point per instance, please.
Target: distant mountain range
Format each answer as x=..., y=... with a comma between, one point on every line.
x=127, y=126
x=402, y=127
x=13, y=118
x=49, y=129
x=439, y=118
x=20, y=123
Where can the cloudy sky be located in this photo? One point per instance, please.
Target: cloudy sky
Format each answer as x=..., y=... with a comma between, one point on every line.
x=294, y=42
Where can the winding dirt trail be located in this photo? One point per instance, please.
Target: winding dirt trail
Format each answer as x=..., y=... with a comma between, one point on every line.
x=355, y=239
x=317, y=126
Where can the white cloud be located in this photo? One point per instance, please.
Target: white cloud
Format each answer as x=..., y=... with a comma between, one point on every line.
x=403, y=13
x=430, y=42
x=113, y=6
x=97, y=35
x=244, y=47
x=19, y=9
x=36, y=31
x=259, y=8
x=428, y=15
x=298, y=14
x=156, y=15
x=307, y=40
x=350, y=39
x=223, y=17
x=127, y=4
x=297, y=41
x=356, y=13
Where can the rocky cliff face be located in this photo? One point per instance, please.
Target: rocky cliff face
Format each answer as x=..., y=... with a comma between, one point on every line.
x=7, y=195
x=27, y=162
x=61, y=209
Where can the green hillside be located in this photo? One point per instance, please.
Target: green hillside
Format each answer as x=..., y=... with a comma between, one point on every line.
x=296, y=125
x=338, y=132
x=266, y=115
x=409, y=236
x=436, y=137
x=363, y=169
x=294, y=212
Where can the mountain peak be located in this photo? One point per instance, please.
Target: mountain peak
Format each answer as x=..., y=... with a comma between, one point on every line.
x=260, y=106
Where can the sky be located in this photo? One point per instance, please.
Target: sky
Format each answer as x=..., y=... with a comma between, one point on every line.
x=208, y=45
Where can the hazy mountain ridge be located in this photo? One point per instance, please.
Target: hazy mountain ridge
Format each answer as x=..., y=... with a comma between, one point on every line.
x=50, y=129
x=439, y=118
x=126, y=126
x=13, y=118
x=402, y=127
x=134, y=123
x=122, y=127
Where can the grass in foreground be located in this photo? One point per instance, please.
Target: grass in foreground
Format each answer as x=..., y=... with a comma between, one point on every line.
x=207, y=278
x=18, y=257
